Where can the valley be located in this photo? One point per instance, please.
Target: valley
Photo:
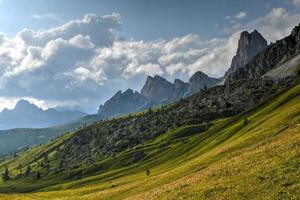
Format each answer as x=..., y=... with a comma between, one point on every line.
x=161, y=127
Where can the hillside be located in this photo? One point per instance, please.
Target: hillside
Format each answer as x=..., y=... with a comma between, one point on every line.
x=14, y=140
x=228, y=158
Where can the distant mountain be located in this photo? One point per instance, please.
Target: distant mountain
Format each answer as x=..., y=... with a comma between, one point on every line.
x=278, y=60
x=123, y=103
x=159, y=90
x=28, y=115
x=199, y=81
x=156, y=91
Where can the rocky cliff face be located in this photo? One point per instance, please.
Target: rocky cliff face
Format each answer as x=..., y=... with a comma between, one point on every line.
x=273, y=56
x=156, y=91
x=199, y=81
x=250, y=44
x=180, y=88
x=123, y=103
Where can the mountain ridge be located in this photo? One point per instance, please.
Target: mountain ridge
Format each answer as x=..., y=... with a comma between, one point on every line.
x=156, y=91
x=28, y=115
x=273, y=56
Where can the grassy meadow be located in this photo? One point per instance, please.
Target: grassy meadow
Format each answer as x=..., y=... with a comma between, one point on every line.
x=254, y=155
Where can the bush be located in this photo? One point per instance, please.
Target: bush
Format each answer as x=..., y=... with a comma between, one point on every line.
x=5, y=175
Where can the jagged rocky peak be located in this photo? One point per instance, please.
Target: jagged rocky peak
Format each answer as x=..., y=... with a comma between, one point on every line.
x=180, y=88
x=249, y=45
x=275, y=61
x=157, y=89
x=25, y=105
x=199, y=81
x=122, y=103
x=295, y=32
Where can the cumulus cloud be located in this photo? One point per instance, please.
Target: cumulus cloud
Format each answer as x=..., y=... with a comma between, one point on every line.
x=84, y=62
x=98, y=28
x=49, y=64
x=277, y=24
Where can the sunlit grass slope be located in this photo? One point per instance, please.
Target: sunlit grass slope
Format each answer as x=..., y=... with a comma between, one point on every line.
x=257, y=158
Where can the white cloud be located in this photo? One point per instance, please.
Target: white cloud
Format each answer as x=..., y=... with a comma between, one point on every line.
x=277, y=24
x=99, y=29
x=239, y=16
x=47, y=16
x=84, y=61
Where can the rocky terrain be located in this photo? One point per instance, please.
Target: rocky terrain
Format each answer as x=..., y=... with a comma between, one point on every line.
x=109, y=137
x=250, y=44
x=273, y=56
x=156, y=91
x=200, y=81
x=123, y=103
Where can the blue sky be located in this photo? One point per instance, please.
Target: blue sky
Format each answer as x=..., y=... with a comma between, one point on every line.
x=143, y=19
x=81, y=52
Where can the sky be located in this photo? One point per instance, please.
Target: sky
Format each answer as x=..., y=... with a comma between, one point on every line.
x=81, y=52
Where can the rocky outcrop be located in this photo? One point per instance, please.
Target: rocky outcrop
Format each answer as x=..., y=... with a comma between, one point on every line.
x=199, y=81
x=123, y=103
x=273, y=56
x=159, y=90
x=180, y=88
x=156, y=91
x=250, y=44
x=289, y=68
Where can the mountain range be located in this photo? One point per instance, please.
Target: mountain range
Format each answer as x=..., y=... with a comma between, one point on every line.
x=28, y=115
x=156, y=91
x=223, y=142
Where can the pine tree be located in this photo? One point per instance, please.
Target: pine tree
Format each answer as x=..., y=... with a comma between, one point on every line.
x=38, y=175
x=28, y=170
x=5, y=175
x=245, y=121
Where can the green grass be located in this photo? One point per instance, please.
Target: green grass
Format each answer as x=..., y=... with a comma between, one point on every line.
x=231, y=160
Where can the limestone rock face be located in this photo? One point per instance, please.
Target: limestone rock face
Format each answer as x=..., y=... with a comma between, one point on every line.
x=250, y=44
x=273, y=56
x=180, y=88
x=122, y=103
x=158, y=89
x=199, y=81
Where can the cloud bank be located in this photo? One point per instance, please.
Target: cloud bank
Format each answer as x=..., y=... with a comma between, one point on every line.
x=84, y=61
